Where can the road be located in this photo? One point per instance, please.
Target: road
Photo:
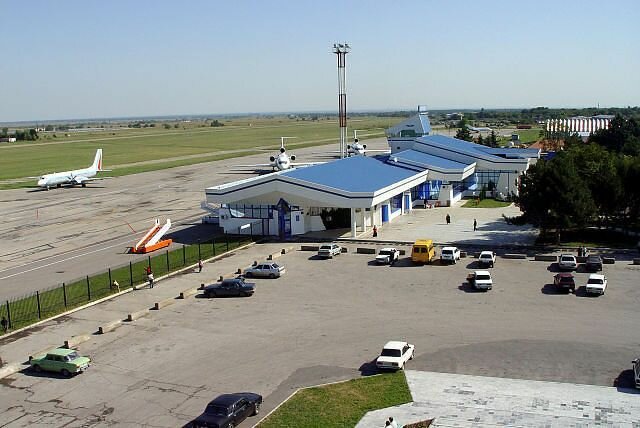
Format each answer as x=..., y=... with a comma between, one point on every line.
x=323, y=321
x=50, y=237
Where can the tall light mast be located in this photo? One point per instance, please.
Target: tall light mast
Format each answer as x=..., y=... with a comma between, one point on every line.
x=341, y=50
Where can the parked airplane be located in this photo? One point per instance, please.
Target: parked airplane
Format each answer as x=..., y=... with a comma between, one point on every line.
x=77, y=176
x=281, y=160
x=359, y=149
x=479, y=129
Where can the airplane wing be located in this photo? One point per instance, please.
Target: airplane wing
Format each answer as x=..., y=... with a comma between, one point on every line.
x=258, y=165
x=305, y=163
x=80, y=179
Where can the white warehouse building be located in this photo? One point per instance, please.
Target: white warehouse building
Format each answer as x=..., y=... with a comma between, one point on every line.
x=360, y=192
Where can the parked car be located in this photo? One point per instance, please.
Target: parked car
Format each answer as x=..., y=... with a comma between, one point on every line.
x=480, y=280
x=229, y=410
x=450, y=255
x=593, y=263
x=567, y=262
x=64, y=361
x=235, y=287
x=564, y=281
x=327, y=251
x=423, y=251
x=487, y=258
x=596, y=284
x=394, y=355
x=636, y=371
x=265, y=270
x=388, y=256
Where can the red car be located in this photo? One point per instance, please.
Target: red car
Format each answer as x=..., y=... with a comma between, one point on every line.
x=565, y=281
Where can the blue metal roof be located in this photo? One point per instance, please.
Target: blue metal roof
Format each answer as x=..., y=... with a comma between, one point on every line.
x=427, y=161
x=354, y=174
x=452, y=143
x=511, y=153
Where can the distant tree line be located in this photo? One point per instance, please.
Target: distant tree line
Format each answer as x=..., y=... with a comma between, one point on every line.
x=21, y=134
x=587, y=184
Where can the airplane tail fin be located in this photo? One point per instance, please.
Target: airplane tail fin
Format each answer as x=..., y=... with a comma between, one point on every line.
x=97, y=161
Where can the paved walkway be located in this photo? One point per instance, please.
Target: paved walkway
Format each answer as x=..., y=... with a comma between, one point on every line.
x=17, y=347
x=474, y=401
x=431, y=224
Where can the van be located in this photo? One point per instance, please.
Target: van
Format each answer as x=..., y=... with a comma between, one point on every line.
x=423, y=251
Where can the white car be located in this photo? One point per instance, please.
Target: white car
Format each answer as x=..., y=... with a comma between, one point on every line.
x=480, y=280
x=388, y=256
x=487, y=258
x=329, y=250
x=394, y=355
x=596, y=284
x=265, y=270
x=450, y=255
x=567, y=262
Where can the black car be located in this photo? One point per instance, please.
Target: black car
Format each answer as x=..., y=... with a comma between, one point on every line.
x=228, y=410
x=593, y=263
x=235, y=287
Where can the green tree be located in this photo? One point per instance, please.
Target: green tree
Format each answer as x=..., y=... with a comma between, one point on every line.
x=493, y=139
x=463, y=133
x=554, y=196
x=5, y=131
x=480, y=139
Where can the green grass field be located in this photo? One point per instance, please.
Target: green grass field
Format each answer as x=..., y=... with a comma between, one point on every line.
x=485, y=203
x=128, y=146
x=341, y=404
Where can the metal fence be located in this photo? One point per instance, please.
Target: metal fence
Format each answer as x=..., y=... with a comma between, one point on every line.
x=42, y=304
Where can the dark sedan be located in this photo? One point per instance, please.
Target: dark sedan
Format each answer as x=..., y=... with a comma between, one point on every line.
x=230, y=288
x=564, y=281
x=228, y=410
x=593, y=263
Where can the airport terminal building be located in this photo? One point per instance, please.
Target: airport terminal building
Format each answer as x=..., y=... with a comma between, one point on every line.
x=359, y=192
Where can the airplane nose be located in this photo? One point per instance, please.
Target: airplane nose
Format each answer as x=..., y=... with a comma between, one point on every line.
x=40, y=183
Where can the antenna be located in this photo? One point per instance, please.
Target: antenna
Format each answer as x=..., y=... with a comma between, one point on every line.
x=341, y=50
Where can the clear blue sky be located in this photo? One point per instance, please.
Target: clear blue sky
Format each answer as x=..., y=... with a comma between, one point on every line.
x=83, y=59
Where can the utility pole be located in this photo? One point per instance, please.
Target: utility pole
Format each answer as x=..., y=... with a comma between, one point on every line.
x=341, y=50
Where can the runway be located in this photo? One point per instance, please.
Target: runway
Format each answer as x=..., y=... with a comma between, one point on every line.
x=50, y=237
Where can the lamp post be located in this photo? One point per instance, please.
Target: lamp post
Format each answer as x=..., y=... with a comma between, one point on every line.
x=341, y=50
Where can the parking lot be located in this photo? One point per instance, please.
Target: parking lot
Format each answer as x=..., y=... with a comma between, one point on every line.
x=326, y=320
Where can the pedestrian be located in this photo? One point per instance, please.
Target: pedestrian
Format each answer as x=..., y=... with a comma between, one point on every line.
x=475, y=225
x=147, y=270
x=392, y=423
x=448, y=218
x=150, y=278
x=5, y=324
x=199, y=266
x=115, y=285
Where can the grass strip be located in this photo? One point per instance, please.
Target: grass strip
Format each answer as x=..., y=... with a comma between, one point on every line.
x=341, y=404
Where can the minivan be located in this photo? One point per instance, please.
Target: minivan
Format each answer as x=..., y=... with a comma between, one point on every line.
x=423, y=251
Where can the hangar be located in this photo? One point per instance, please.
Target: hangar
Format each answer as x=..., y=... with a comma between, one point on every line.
x=359, y=192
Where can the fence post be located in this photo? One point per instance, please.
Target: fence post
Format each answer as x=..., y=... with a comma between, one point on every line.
x=130, y=274
x=226, y=239
x=64, y=294
x=149, y=261
x=38, y=299
x=184, y=255
x=199, y=253
x=167, y=261
x=213, y=245
x=88, y=288
x=251, y=231
x=9, y=314
x=110, y=281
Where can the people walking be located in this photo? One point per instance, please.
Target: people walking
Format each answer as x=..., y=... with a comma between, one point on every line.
x=151, y=279
x=115, y=285
x=448, y=218
x=375, y=231
x=475, y=225
x=5, y=324
x=199, y=265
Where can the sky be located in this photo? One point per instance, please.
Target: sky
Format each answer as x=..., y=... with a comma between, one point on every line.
x=90, y=58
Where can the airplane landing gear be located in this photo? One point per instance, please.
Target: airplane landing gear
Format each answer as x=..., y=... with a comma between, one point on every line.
x=84, y=184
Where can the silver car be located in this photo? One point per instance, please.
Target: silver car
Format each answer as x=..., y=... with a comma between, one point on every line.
x=265, y=270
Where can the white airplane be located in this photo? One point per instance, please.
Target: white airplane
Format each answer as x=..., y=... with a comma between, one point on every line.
x=479, y=129
x=77, y=176
x=281, y=161
x=359, y=149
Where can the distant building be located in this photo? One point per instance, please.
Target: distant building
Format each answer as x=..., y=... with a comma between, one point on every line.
x=583, y=126
x=454, y=116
